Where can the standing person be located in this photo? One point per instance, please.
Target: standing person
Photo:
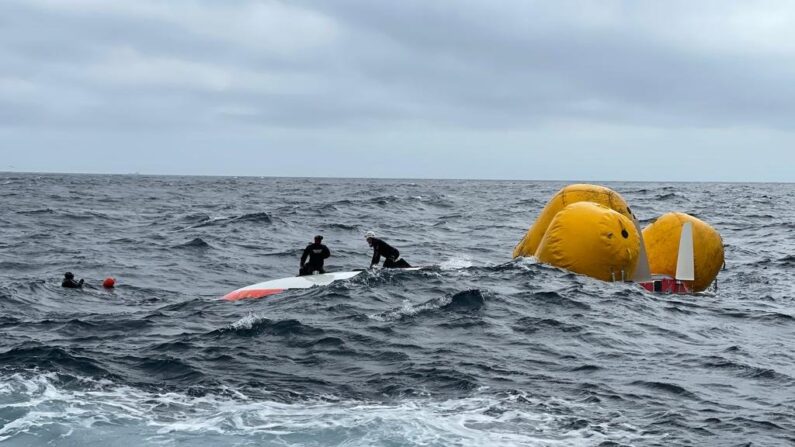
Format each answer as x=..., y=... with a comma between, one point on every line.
x=316, y=252
x=390, y=253
x=69, y=281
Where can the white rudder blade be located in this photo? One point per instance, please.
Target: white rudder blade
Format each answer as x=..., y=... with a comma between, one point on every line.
x=685, y=265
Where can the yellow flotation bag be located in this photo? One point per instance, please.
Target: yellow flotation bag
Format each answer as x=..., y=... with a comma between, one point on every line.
x=566, y=196
x=662, y=247
x=591, y=239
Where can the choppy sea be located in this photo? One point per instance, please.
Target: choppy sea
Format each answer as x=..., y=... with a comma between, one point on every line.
x=475, y=350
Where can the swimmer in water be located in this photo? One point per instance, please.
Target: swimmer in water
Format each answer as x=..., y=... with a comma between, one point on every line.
x=69, y=281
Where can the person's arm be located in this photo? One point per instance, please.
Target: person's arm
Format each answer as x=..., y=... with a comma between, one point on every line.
x=304, y=256
x=376, y=255
x=326, y=252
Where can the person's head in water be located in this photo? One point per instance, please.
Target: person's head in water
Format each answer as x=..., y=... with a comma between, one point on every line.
x=69, y=281
x=318, y=239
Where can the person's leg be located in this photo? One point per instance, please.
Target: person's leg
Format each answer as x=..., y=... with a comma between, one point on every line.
x=312, y=268
x=389, y=263
x=402, y=264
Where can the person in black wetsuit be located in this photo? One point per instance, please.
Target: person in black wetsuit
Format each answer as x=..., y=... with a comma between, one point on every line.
x=390, y=253
x=316, y=252
x=69, y=281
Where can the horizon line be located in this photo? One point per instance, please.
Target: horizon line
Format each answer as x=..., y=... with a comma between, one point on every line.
x=131, y=174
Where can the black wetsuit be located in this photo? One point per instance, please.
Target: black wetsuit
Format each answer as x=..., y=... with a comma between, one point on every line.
x=316, y=253
x=392, y=255
x=71, y=283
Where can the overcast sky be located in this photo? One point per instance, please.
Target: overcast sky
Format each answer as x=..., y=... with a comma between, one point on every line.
x=511, y=89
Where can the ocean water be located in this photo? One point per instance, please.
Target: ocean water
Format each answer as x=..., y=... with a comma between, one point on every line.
x=475, y=350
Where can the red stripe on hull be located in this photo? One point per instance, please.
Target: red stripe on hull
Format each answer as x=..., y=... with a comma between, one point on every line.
x=251, y=293
x=666, y=285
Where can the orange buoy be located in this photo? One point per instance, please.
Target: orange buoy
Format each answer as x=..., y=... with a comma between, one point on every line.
x=591, y=239
x=567, y=196
x=662, y=245
x=108, y=283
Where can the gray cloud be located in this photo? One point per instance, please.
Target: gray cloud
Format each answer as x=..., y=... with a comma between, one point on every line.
x=625, y=67
x=441, y=89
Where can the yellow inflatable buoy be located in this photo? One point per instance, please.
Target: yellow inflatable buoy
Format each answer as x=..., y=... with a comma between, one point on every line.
x=662, y=247
x=566, y=196
x=591, y=239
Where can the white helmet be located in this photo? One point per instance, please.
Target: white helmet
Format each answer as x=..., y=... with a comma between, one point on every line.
x=369, y=234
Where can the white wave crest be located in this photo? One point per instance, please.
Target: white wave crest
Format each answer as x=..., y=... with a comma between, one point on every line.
x=456, y=263
x=247, y=322
x=39, y=411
